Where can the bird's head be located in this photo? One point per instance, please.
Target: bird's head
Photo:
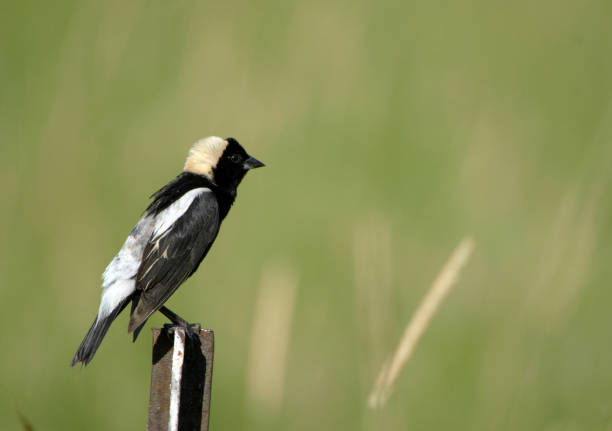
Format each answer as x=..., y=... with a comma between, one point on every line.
x=223, y=161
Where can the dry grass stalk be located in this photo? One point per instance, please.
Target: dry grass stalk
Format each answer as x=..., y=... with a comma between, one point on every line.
x=441, y=286
x=373, y=282
x=270, y=336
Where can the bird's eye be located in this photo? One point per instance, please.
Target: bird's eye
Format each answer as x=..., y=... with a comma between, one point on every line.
x=235, y=158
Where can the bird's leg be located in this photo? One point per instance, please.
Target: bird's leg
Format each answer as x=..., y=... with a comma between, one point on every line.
x=178, y=320
x=174, y=318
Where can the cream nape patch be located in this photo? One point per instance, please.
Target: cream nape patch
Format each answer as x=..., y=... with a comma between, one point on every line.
x=204, y=155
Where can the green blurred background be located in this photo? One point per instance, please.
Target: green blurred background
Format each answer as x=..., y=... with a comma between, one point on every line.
x=390, y=131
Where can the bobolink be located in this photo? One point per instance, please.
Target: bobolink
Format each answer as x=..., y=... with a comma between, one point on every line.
x=168, y=243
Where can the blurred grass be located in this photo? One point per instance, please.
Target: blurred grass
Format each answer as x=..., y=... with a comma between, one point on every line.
x=434, y=119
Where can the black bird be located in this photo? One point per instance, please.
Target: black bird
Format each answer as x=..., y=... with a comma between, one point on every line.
x=173, y=236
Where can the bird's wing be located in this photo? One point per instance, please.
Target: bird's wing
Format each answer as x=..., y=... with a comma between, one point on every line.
x=181, y=238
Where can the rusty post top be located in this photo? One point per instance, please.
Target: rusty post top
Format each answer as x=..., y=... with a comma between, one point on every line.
x=181, y=379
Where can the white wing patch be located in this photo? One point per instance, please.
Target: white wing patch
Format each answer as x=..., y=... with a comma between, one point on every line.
x=165, y=219
x=119, y=278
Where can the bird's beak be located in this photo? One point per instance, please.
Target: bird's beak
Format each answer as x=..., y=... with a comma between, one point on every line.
x=252, y=163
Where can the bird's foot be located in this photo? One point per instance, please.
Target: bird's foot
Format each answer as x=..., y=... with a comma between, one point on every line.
x=192, y=330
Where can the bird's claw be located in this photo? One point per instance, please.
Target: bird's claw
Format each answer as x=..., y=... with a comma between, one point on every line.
x=191, y=329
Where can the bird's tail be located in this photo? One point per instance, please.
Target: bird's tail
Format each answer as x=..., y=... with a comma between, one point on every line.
x=96, y=333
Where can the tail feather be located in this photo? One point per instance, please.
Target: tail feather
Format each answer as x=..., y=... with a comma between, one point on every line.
x=142, y=308
x=145, y=304
x=135, y=300
x=96, y=333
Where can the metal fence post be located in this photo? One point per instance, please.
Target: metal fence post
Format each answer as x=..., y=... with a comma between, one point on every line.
x=181, y=379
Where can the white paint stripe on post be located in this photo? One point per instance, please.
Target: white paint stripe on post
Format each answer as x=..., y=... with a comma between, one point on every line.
x=178, y=356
